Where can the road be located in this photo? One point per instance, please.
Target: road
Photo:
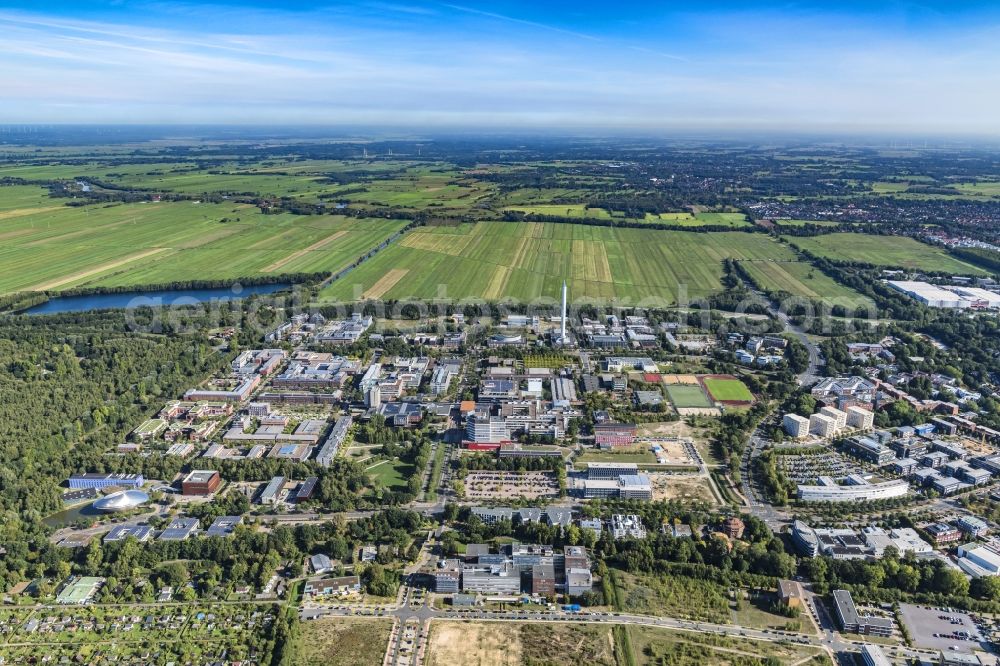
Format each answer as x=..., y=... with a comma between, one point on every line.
x=810, y=375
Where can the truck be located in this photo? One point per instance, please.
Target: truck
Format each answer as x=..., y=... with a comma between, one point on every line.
x=571, y=608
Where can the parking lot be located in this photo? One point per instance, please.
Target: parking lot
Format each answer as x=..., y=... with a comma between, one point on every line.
x=940, y=629
x=511, y=485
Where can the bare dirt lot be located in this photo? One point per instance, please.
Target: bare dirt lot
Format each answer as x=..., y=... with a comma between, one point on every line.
x=489, y=644
x=674, y=452
x=473, y=645
x=681, y=487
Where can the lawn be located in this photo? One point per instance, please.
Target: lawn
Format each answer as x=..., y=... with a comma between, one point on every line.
x=901, y=251
x=728, y=390
x=342, y=641
x=48, y=246
x=527, y=261
x=687, y=395
x=801, y=279
x=641, y=455
x=392, y=474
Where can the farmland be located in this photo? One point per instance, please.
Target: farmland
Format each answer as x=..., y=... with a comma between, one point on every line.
x=526, y=261
x=153, y=243
x=898, y=251
x=800, y=279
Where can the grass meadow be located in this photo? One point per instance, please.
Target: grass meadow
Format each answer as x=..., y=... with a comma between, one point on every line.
x=901, y=251
x=800, y=279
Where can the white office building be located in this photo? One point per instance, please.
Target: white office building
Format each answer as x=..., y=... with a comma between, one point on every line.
x=860, y=418
x=858, y=490
x=839, y=417
x=822, y=425
x=796, y=426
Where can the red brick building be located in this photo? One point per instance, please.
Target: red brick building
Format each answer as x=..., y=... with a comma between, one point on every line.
x=201, y=482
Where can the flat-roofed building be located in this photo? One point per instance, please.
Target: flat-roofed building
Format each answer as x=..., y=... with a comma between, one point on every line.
x=869, y=449
x=627, y=525
x=325, y=587
x=612, y=435
x=853, y=622
x=503, y=578
x=839, y=417
x=978, y=560
x=860, y=418
x=943, y=533
x=223, y=526
x=872, y=655
x=822, y=425
x=201, y=482
x=635, y=486
x=122, y=532
x=96, y=480
x=180, y=529
x=610, y=470
x=972, y=525
x=796, y=426
x=831, y=492
x=929, y=294
x=332, y=443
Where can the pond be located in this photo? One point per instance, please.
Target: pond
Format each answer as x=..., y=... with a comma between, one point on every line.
x=163, y=297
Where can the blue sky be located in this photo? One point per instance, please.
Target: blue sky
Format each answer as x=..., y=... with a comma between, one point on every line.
x=926, y=67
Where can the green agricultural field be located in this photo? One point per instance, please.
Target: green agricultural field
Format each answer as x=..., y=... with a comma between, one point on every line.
x=687, y=395
x=982, y=188
x=728, y=390
x=899, y=251
x=53, y=247
x=563, y=210
x=525, y=261
x=801, y=279
x=733, y=220
x=802, y=223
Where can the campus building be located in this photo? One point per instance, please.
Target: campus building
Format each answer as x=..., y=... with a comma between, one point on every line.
x=94, y=480
x=858, y=490
x=201, y=482
x=853, y=622
x=796, y=426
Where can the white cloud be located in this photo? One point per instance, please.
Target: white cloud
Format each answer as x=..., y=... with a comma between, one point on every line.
x=395, y=64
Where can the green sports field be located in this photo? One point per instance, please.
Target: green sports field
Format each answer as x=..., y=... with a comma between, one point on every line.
x=526, y=260
x=801, y=279
x=687, y=395
x=49, y=246
x=901, y=251
x=728, y=390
